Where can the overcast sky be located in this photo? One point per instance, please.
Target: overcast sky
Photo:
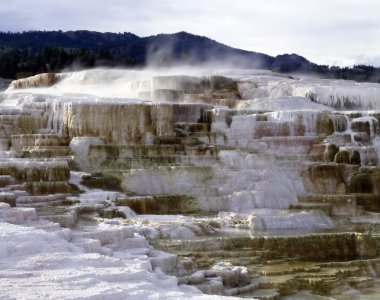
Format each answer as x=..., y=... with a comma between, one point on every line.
x=340, y=32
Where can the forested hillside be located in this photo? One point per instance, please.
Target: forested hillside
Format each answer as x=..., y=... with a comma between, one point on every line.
x=28, y=53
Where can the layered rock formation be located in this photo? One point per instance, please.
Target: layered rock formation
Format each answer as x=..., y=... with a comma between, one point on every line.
x=253, y=184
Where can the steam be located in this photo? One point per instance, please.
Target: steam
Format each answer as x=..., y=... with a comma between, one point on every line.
x=186, y=50
x=164, y=56
x=113, y=83
x=193, y=84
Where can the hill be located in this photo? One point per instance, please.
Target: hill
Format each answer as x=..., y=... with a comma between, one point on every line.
x=28, y=53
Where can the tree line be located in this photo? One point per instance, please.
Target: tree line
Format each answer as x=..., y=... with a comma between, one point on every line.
x=18, y=63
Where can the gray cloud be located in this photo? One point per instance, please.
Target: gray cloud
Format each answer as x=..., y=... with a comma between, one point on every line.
x=325, y=31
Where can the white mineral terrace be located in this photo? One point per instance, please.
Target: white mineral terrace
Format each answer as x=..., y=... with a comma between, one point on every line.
x=188, y=184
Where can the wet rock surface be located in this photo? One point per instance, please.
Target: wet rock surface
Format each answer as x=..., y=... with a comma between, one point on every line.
x=241, y=183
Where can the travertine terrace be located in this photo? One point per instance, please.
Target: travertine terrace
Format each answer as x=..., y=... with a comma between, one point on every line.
x=235, y=183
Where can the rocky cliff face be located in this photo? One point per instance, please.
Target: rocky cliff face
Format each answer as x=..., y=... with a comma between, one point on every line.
x=253, y=183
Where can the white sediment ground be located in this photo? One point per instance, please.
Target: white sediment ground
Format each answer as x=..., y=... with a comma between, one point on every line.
x=40, y=260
